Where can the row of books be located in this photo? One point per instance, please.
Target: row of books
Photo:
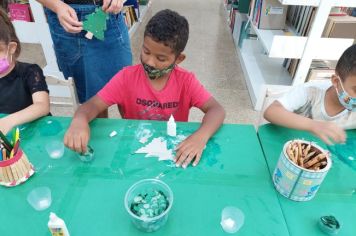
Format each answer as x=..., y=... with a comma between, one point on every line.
x=300, y=19
x=130, y=15
x=339, y=26
x=233, y=7
x=321, y=70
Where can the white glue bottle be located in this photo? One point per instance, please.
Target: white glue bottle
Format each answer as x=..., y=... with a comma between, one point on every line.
x=171, y=127
x=57, y=226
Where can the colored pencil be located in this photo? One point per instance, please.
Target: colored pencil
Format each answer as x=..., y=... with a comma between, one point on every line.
x=3, y=137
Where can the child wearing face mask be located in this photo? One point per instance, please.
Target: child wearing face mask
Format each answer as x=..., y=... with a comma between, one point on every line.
x=23, y=89
x=154, y=90
x=324, y=112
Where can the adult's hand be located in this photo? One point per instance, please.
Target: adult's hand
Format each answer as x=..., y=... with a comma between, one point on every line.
x=113, y=6
x=68, y=18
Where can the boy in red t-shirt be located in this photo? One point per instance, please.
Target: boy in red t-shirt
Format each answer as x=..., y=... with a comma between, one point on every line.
x=155, y=90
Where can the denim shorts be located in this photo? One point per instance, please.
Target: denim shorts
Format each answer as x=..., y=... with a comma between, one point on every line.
x=92, y=63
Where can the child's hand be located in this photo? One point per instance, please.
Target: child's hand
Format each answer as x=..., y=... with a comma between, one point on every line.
x=77, y=136
x=5, y=125
x=191, y=148
x=328, y=132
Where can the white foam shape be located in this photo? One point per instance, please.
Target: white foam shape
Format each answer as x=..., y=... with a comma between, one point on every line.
x=143, y=135
x=113, y=134
x=157, y=148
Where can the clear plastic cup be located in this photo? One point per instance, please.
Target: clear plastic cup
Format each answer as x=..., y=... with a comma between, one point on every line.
x=55, y=149
x=40, y=198
x=88, y=156
x=232, y=219
x=147, y=224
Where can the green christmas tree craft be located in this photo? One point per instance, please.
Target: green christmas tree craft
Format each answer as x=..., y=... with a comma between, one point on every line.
x=95, y=24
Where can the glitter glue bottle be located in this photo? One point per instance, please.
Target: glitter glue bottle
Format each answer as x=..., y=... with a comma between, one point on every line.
x=171, y=127
x=57, y=226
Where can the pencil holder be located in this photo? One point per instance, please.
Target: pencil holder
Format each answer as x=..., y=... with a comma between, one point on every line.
x=15, y=170
x=301, y=168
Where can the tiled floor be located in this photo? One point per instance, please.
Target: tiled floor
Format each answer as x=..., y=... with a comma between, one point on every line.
x=210, y=54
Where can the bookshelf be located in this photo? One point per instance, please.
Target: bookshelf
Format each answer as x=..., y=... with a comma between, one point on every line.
x=262, y=59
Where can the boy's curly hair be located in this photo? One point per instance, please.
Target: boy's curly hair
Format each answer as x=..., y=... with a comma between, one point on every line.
x=170, y=28
x=346, y=65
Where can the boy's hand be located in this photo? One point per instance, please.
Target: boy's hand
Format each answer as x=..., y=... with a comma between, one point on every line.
x=191, y=148
x=5, y=125
x=328, y=132
x=77, y=136
x=68, y=18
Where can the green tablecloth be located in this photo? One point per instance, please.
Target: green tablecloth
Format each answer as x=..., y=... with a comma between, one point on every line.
x=89, y=197
x=336, y=196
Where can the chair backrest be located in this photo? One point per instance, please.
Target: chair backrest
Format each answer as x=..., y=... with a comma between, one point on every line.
x=62, y=91
x=272, y=94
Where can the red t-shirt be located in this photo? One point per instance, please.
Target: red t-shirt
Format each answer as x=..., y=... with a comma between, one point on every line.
x=131, y=90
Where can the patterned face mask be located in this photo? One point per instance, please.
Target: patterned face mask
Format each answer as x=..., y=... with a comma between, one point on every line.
x=154, y=73
x=345, y=99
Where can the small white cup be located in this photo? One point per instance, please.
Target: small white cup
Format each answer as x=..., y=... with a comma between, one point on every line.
x=55, y=149
x=232, y=219
x=40, y=198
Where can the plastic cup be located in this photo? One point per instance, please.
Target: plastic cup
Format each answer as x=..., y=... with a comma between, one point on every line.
x=88, y=156
x=40, y=198
x=55, y=149
x=232, y=219
x=147, y=224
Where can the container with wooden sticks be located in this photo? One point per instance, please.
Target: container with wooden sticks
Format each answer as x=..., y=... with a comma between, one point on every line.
x=15, y=170
x=301, y=168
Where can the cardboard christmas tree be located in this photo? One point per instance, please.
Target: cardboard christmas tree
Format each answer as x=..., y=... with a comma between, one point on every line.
x=95, y=24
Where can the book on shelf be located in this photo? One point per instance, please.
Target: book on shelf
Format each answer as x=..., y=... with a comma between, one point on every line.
x=339, y=11
x=268, y=14
x=320, y=74
x=340, y=27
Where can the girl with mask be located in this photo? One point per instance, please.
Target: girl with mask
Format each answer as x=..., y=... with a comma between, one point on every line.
x=155, y=89
x=23, y=89
x=324, y=112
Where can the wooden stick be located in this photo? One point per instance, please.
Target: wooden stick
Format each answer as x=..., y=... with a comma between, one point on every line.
x=296, y=153
x=319, y=164
x=9, y=174
x=316, y=159
x=299, y=150
x=307, y=150
x=20, y=170
x=2, y=177
x=23, y=167
x=6, y=177
x=14, y=172
x=26, y=163
x=308, y=157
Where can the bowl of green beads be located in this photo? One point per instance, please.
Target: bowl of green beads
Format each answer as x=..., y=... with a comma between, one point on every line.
x=148, y=202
